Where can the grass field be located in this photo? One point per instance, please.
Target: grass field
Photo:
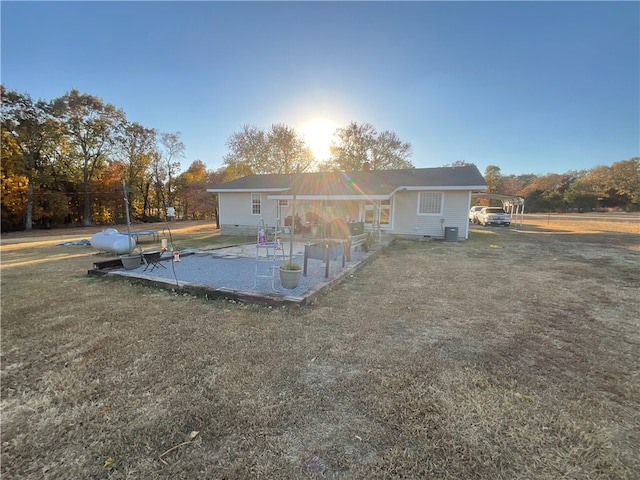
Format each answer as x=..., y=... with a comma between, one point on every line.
x=514, y=355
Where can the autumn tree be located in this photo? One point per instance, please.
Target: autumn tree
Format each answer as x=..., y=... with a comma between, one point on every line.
x=90, y=125
x=216, y=178
x=515, y=184
x=625, y=176
x=135, y=145
x=191, y=189
x=13, y=184
x=359, y=145
x=29, y=127
x=108, y=205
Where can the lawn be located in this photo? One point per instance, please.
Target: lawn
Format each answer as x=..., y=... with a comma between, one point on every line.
x=513, y=355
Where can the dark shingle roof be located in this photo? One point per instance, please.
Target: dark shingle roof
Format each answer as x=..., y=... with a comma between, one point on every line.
x=374, y=182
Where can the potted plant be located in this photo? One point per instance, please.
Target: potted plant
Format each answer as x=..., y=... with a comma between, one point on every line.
x=131, y=261
x=290, y=273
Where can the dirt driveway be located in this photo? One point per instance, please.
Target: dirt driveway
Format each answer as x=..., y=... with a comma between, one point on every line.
x=514, y=355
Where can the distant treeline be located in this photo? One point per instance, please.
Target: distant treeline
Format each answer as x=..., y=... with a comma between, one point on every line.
x=64, y=162
x=615, y=187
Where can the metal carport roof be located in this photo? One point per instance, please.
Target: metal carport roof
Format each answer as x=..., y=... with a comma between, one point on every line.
x=512, y=204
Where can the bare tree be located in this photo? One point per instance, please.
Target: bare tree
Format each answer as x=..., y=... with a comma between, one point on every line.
x=362, y=146
x=287, y=151
x=255, y=151
x=173, y=150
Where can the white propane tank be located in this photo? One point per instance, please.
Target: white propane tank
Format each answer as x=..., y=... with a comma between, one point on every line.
x=111, y=240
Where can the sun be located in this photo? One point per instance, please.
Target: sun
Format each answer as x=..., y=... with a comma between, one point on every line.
x=318, y=134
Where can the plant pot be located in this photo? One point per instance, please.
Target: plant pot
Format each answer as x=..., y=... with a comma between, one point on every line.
x=129, y=262
x=290, y=278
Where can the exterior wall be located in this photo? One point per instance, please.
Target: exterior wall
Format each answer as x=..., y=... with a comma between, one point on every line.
x=236, y=217
x=407, y=222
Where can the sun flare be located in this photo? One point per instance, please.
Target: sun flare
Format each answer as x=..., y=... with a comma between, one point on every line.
x=318, y=134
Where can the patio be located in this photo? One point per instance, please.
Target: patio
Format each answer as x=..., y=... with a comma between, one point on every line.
x=230, y=272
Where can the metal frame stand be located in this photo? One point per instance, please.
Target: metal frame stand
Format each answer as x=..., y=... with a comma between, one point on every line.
x=266, y=265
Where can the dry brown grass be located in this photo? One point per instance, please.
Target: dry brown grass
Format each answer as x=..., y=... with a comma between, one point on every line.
x=512, y=355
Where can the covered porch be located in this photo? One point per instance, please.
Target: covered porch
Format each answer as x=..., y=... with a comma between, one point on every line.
x=333, y=217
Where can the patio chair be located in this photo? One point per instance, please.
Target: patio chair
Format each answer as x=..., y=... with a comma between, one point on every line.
x=152, y=259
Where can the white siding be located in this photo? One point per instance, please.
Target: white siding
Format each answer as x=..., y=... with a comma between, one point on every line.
x=406, y=220
x=236, y=217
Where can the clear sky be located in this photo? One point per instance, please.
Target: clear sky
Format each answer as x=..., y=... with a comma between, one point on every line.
x=533, y=87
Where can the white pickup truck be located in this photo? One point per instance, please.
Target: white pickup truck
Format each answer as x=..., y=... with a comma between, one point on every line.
x=493, y=216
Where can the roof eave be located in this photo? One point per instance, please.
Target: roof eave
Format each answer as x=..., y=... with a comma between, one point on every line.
x=330, y=197
x=439, y=187
x=245, y=190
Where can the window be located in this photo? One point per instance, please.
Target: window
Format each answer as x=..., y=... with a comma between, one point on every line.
x=377, y=211
x=369, y=212
x=385, y=211
x=256, y=204
x=283, y=203
x=429, y=203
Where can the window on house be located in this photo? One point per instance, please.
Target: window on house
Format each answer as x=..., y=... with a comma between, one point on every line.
x=283, y=203
x=430, y=203
x=377, y=210
x=369, y=212
x=256, y=204
x=385, y=212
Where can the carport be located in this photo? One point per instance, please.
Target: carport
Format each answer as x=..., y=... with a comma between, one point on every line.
x=512, y=204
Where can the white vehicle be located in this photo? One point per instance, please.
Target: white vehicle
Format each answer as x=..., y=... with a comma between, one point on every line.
x=493, y=216
x=473, y=213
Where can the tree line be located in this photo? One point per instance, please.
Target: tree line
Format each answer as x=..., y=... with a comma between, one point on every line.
x=64, y=162
x=614, y=187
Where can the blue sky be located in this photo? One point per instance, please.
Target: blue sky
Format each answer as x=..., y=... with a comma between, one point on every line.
x=533, y=87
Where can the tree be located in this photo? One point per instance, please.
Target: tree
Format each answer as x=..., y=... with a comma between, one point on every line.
x=253, y=151
x=493, y=177
x=173, y=150
x=287, y=151
x=30, y=128
x=579, y=196
x=215, y=178
x=460, y=163
x=515, y=184
x=106, y=187
x=158, y=176
x=359, y=146
x=191, y=188
x=90, y=125
x=551, y=182
x=247, y=152
x=626, y=181
x=136, y=144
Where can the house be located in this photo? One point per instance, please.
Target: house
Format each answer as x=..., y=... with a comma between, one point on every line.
x=416, y=202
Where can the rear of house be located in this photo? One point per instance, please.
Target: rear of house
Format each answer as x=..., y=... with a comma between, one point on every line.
x=416, y=203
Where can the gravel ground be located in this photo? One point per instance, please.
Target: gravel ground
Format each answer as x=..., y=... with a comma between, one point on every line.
x=235, y=268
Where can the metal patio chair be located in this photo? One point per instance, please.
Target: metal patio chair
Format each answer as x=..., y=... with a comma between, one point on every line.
x=152, y=259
